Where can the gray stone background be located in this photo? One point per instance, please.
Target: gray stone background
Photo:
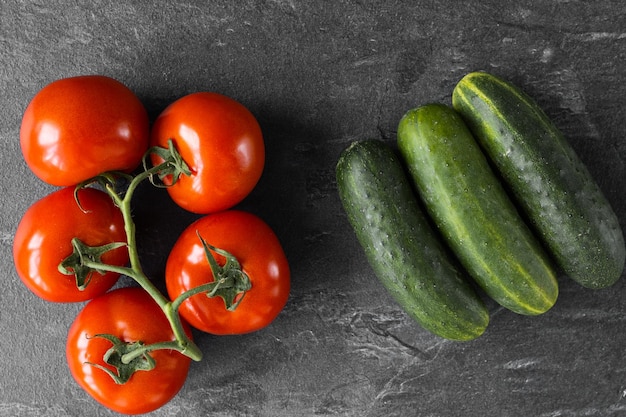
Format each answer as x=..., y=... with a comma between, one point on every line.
x=318, y=75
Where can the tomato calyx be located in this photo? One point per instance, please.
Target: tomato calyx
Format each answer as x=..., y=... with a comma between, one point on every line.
x=126, y=358
x=85, y=260
x=230, y=282
x=170, y=169
x=110, y=181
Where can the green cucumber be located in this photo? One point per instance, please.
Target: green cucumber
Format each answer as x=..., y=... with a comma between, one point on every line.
x=472, y=210
x=549, y=182
x=405, y=253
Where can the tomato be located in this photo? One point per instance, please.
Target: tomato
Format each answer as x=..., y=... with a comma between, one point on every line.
x=261, y=257
x=221, y=142
x=131, y=315
x=76, y=128
x=43, y=240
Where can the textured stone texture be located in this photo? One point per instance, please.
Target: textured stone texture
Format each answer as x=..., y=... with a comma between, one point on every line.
x=318, y=75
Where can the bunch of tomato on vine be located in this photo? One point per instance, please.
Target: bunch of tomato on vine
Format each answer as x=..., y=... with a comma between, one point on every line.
x=130, y=347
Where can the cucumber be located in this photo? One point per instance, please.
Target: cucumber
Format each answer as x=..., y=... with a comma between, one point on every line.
x=549, y=182
x=407, y=256
x=472, y=210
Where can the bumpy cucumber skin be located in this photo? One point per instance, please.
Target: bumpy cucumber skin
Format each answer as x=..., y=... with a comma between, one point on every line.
x=548, y=180
x=473, y=212
x=407, y=256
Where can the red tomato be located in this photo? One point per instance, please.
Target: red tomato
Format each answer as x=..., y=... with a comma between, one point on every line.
x=43, y=239
x=131, y=315
x=221, y=142
x=261, y=256
x=77, y=128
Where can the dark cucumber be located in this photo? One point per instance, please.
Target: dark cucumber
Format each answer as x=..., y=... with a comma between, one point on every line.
x=405, y=253
x=473, y=211
x=548, y=180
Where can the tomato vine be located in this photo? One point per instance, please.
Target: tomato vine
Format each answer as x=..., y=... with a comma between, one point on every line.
x=230, y=282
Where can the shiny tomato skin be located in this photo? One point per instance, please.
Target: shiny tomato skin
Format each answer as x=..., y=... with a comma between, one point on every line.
x=43, y=239
x=223, y=145
x=79, y=127
x=131, y=315
x=261, y=256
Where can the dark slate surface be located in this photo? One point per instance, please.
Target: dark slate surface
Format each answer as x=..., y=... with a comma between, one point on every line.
x=319, y=75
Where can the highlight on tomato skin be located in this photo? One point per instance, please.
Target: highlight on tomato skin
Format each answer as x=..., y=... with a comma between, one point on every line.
x=221, y=142
x=132, y=315
x=43, y=240
x=256, y=247
x=78, y=127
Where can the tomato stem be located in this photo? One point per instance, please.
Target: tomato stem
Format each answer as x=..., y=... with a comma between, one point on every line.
x=210, y=289
x=144, y=349
x=183, y=343
x=172, y=165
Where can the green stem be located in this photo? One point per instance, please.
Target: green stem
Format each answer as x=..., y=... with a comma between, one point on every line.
x=128, y=357
x=183, y=343
x=209, y=289
x=137, y=274
x=121, y=270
